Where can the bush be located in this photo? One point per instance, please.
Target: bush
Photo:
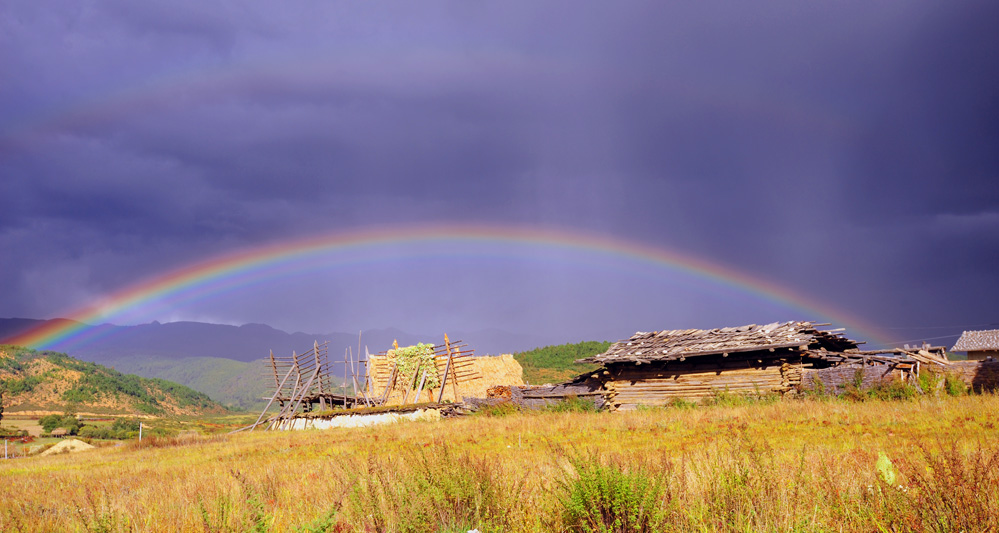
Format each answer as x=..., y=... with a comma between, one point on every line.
x=94, y=432
x=682, y=403
x=433, y=489
x=608, y=497
x=725, y=398
x=954, y=385
x=20, y=386
x=125, y=425
x=50, y=422
x=572, y=404
x=892, y=390
x=498, y=409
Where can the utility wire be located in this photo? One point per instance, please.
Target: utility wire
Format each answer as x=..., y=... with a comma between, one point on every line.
x=897, y=343
x=941, y=327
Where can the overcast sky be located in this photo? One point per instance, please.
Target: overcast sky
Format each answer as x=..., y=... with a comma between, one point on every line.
x=847, y=151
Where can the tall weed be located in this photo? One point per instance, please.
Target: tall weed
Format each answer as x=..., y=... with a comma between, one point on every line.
x=434, y=489
x=612, y=495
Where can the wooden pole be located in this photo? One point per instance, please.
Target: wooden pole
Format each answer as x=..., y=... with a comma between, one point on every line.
x=423, y=381
x=276, y=393
x=353, y=373
x=454, y=382
x=409, y=385
x=369, y=380
x=322, y=399
x=274, y=367
x=388, y=384
x=447, y=369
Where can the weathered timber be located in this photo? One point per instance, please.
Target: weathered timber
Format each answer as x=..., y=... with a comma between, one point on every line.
x=679, y=345
x=977, y=375
x=840, y=379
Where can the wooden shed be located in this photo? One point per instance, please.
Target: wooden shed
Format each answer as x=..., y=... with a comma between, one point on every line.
x=980, y=345
x=656, y=368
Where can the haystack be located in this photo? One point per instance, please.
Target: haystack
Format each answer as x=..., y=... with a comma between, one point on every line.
x=474, y=376
x=68, y=446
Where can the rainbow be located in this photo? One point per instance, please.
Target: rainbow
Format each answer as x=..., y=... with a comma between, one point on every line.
x=240, y=268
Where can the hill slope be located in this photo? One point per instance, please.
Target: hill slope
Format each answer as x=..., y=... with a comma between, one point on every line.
x=226, y=362
x=555, y=364
x=236, y=384
x=50, y=381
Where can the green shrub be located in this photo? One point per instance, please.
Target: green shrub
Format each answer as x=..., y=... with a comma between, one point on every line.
x=602, y=497
x=954, y=385
x=498, y=409
x=20, y=386
x=94, y=432
x=125, y=425
x=928, y=381
x=50, y=422
x=572, y=404
x=725, y=398
x=682, y=403
x=892, y=389
x=432, y=489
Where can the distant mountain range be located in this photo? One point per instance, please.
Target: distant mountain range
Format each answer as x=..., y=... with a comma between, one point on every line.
x=175, y=340
x=228, y=362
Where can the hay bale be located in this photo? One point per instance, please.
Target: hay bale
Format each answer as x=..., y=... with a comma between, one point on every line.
x=489, y=371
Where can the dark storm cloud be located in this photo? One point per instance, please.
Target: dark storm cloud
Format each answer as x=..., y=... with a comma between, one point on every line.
x=839, y=149
x=931, y=141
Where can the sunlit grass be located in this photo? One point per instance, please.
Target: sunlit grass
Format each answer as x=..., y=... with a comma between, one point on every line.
x=785, y=466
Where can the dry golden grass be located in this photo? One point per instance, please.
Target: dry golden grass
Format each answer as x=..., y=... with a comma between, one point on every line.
x=930, y=464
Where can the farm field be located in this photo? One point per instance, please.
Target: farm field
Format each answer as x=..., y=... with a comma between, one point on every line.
x=930, y=464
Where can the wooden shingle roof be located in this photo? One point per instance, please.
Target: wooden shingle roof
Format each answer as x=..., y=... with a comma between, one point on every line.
x=679, y=344
x=977, y=340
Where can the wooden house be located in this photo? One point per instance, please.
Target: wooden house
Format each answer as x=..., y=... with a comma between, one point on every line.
x=693, y=364
x=980, y=345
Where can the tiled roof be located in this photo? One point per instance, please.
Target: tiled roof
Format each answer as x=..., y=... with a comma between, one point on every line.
x=977, y=340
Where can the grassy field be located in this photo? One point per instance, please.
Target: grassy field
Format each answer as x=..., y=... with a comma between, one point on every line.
x=807, y=465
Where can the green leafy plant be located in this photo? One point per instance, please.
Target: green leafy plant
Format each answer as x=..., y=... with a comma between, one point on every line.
x=681, y=403
x=572, y=404
x=600, y=496
x=498, y=409
x=50, y=422
x=954, y=385
x=409, y=362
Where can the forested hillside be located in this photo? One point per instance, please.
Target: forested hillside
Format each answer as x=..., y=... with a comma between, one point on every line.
x=554, y=364
x=33, y=381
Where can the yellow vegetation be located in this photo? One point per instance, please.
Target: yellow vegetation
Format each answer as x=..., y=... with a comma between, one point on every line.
x=795, y=465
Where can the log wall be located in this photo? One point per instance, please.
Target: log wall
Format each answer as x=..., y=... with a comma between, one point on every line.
x=837, y=379
x=978, y=375
x=630, y=386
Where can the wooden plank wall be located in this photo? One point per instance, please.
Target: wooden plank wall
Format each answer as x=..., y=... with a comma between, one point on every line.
x=629, y=386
